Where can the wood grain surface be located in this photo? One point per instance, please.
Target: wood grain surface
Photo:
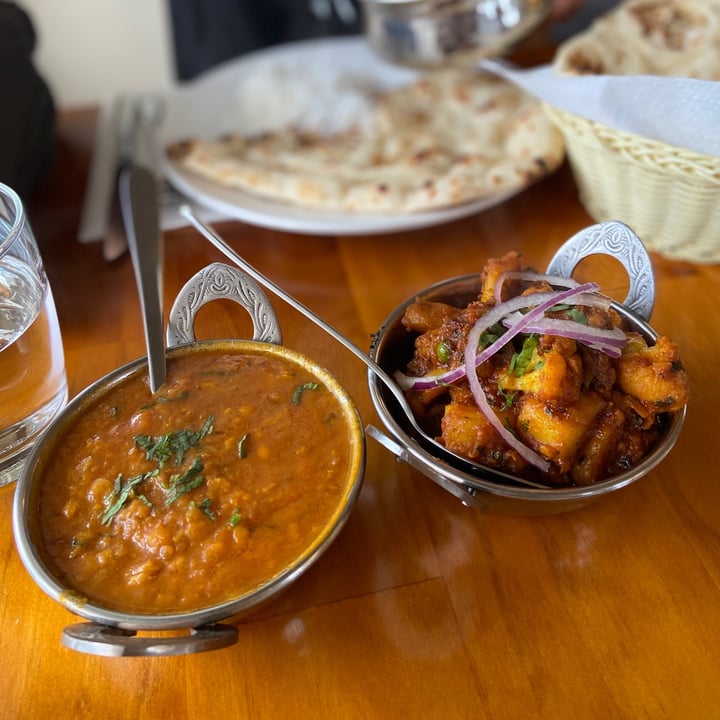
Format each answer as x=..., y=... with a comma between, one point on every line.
x=422, y=608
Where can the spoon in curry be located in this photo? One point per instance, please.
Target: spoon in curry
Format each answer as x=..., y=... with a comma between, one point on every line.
x=389, y=383
x=138, y=200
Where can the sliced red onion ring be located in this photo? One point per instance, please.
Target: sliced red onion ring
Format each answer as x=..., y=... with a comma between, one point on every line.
x=592, y=299
x=523, y=450
x=473, y=359
x=555, y=280
x=539, y=301
x=493, y=316
x=610, y=342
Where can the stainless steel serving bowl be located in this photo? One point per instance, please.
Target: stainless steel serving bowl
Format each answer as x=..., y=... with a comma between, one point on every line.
x=112, y=632
x=486, y=488
x=433, y=33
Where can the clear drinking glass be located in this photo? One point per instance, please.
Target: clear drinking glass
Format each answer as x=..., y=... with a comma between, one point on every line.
x=33, y=385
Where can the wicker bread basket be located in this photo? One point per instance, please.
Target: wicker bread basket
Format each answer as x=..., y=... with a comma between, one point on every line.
x=669, y=196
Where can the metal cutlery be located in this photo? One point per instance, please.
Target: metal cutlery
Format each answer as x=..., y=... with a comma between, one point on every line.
x=138, y=201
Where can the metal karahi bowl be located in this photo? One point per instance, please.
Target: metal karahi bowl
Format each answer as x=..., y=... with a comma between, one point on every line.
x=434, y=33
x=486, y=488
x=114, y=632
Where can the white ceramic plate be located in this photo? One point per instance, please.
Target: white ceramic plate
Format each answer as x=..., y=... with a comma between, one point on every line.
x=319, y=84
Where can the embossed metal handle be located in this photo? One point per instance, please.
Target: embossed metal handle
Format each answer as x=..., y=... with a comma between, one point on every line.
x=619, y=241
x=216, y=282
x=97, y=639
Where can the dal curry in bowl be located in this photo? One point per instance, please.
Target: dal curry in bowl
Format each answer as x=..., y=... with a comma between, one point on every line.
x=196, y=504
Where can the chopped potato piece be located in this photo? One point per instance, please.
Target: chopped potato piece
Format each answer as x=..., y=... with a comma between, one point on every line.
x=466, y=430
x=492, y=271
x=600, y=446
x=557, y=430
x=422, y=315
x=552, y=376
x=653, y=374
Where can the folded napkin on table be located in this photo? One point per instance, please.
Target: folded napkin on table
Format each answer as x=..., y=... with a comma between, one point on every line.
x=127, y=134
x=683, y=112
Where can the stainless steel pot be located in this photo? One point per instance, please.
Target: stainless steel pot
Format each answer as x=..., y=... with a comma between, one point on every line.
x=487, y=488
x=112, y=632
x=433, y=33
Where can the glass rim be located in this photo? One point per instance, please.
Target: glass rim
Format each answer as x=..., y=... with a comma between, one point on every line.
x=17, y=221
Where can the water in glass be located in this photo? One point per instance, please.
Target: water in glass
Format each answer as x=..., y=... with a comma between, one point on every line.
x=33, y=387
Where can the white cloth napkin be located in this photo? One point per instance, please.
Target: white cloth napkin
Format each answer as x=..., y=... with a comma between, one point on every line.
x=116, y=144
x=682, y=112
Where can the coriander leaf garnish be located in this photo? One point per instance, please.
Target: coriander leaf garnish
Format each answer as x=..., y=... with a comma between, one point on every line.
x=297, y=395
x=578, y=316
x=144, y=499
x=573, y=313
x=519, y=363
x=205, y=507
x=161, y=448
x=235, y=519
x=508, y=397
x=184, y=482
x=489, y=336
x=241, y=449
x=78, y=543
x=121, y=493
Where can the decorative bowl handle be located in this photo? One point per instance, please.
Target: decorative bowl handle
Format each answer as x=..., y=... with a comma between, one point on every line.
x=619, y=241
x=97, y=639
x=221, y=282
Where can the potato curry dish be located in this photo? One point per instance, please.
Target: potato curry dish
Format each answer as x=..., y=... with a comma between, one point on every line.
x=539, y=377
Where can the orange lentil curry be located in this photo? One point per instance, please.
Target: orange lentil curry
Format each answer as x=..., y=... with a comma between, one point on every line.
x=234, y=470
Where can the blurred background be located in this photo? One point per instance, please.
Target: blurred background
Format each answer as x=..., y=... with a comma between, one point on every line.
x=148, y=45
x=82, y=53
x=83, y=66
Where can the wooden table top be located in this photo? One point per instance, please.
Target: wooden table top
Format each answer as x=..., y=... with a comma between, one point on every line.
x=422, y=607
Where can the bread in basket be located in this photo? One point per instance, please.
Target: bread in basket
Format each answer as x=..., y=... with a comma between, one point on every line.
x=669, y=195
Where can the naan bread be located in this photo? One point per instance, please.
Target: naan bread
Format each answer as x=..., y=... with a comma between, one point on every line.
x=451, y=137
x=678, y=38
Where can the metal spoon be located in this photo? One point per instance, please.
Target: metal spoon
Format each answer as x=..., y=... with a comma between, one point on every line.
x=391, y=385
x=138, y=201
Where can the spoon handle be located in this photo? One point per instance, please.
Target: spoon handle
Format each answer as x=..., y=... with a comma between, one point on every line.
x=221, y=245
x=389, y=383
x=138, y=200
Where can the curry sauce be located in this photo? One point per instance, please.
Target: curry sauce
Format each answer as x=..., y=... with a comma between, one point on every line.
x=237, y=468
